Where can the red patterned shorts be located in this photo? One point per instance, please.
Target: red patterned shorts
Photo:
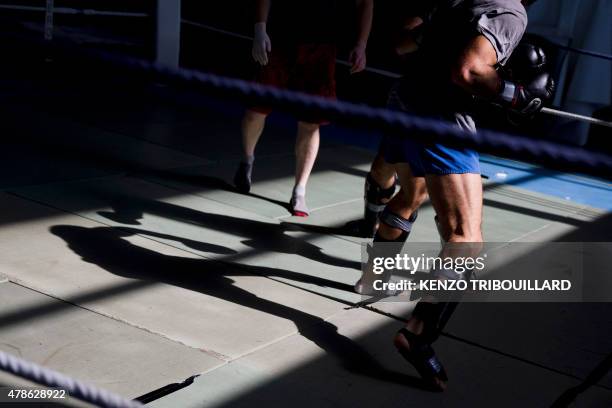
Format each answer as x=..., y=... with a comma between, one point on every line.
x=308, y=68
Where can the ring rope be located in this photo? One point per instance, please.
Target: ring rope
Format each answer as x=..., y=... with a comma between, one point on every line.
x=394, y=75
x=423, y=129
x=75, y=388
x=581, y=51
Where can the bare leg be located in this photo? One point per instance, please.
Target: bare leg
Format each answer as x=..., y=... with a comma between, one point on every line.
x=252, y=127
x=411, y=196
x=378, y=190
x=457, y=199
x=306, y=150
x=382, y=172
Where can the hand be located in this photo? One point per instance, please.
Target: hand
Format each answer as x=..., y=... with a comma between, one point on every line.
x=527, y=99
x=262, y=45
x=530, y=98
x=357, y=58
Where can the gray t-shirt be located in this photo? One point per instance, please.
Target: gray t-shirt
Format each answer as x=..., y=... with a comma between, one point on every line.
x=449, y=25
x=503, y=25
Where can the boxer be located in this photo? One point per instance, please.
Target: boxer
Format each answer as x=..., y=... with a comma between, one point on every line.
x=459, y=46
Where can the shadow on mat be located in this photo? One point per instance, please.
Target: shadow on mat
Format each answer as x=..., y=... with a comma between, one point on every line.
x=261, y=236
x=107, y=248
x=350, y=229
x=201, y=182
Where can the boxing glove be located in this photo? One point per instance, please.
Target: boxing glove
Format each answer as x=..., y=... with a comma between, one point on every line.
x=529, y=98
x=527, y=61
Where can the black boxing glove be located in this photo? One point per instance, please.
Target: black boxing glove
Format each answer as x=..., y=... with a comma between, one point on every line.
x=527, y=61
x=527, y=99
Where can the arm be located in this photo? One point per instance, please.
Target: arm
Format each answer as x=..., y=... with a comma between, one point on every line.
x=406, y=41
x=262, y=10
x=261, y=41
x=411, y=33
x=365, y=14
x=475, y=72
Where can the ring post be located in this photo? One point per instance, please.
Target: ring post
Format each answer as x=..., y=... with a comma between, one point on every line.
x=168, y=33
x=49, y=20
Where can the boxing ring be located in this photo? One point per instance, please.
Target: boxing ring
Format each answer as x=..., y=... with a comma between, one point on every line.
x=139, y=193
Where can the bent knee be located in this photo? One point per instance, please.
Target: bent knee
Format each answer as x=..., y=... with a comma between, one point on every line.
x=254, y=116
x=309, y=127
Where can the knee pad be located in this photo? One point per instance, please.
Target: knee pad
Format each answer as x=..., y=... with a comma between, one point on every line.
x=374, y=194
x=393, y=220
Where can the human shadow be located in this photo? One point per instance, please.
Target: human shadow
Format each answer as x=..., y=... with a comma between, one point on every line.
x=236, y=269
x=259, y=235
x=190, y=243
x=108, y=248
x=354, y=228
x=196, y=183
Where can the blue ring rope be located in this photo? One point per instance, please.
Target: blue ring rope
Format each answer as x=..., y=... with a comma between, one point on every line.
x=422, y=129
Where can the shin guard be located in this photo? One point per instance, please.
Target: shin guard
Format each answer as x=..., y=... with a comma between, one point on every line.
x=373, y=199
x=434, y=316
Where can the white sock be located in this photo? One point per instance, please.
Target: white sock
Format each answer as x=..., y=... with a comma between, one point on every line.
x=248, y=159
x=299, y=190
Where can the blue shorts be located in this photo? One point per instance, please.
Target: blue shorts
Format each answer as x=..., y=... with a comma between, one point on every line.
x=428, y=158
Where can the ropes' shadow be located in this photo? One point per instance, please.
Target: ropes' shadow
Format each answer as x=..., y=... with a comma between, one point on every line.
x=570, y=395
x=108, y=248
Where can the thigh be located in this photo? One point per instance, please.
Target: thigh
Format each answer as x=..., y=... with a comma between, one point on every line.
x=401, y=149
x=409, y=182
x=314, y=73
x=276, y=73
x=315, y=70
x=441, y=159
x=425, y=154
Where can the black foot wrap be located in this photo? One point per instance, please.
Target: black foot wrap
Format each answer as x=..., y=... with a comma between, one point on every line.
x=423, y=358
x=434, y=316
x=374, y=206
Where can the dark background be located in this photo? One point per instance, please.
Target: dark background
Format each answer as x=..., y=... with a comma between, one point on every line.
x=214, y=52
x=227, y=55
